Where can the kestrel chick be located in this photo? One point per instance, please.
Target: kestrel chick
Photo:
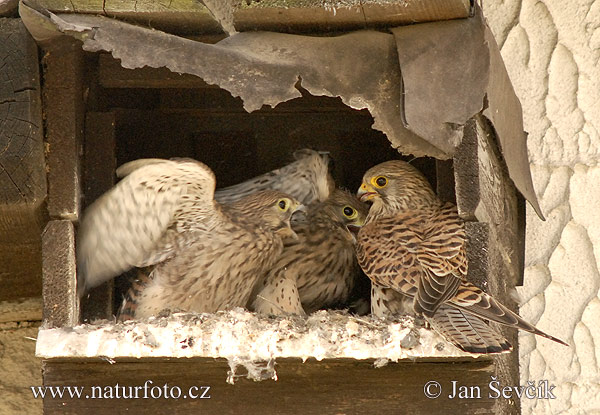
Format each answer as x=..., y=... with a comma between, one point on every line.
x=204, y=256
x=414, y=244
x=320, y=270
x=307, y=179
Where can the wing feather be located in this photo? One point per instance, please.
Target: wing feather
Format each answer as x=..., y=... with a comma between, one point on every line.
x=139, y=221
x=306, y=179
x=417, y=253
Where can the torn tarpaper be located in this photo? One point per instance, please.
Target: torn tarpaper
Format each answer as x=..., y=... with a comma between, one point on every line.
x=421, y=83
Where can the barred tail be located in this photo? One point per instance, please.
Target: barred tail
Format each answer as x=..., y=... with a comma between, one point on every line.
x=467, y=332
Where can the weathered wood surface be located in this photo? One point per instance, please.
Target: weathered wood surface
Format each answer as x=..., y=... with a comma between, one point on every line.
x=22, y=170
x=444, y=173
x=61, y=305
x=24, y=310
x=63, y=97
x=176, y=16
x=483, y=192
x=486, y=198
x=192, y=17
x=99, y=165
x=294, y=15
x=326, y=387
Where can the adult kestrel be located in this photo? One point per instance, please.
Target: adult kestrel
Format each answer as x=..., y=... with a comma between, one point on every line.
x=414, y=244
x=320, y=270
x=204, y=256
x=307, y=179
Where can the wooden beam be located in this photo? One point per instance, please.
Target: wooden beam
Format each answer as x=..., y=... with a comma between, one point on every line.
x=487, y=198
x=29, y=309
x=61, y=305
x=174, y=16
x=22, y=170
x=330, y=387
x=64, y=109
x=192, y=17
x=300, y=15
x=98, y=176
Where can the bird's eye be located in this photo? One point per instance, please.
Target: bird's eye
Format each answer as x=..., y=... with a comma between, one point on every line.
x=349, y=212
x=380, y=181
x=282, y=204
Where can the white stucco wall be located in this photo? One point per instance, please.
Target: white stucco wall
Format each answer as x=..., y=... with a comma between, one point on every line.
x=552, y=53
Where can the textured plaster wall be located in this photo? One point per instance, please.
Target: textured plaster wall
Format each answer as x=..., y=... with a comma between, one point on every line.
x=20, y=370
x=552, y=52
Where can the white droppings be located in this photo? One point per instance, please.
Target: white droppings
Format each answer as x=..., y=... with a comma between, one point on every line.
x=247, y=340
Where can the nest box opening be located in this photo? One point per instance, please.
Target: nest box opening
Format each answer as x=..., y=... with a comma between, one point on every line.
x=144, y=113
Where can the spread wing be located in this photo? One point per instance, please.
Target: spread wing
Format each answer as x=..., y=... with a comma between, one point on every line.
x=306, y=179
x=420, y=254
x=144, y=218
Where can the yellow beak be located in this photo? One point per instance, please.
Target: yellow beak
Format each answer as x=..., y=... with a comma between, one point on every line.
x=366, y=192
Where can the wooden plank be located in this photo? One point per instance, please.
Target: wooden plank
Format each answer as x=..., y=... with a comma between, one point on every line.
x=303, y=16
x=99, y=155
x=520, y=246
x=277, y=134
x=192, y=17
x=478, y=247
x=175, y=16
x=98, y=176
x=61, y=305
x=330, y=387
x=20, y=255
x=29, y=309
x=63, y=96
x=467, y=175
x=22, y=172
x=444, y=173
x=486, y=194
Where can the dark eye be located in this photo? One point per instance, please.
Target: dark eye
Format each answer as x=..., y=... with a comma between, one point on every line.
x=350, y=212
x=282, y=204
x=381, y=181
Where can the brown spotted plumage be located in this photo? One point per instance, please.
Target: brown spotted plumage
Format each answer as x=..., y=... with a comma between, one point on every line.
x=204, y=256
x=413, y=246
x=320, y=270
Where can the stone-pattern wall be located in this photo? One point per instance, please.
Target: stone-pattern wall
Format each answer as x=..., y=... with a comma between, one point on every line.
x=552, y=52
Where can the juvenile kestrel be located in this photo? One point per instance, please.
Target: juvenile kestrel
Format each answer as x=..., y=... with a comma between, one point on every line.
x=320, y=270
x=414, y=244
x=307, y=179
x=205, y=256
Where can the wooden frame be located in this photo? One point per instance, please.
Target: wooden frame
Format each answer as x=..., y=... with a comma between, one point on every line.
x=482, y=191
